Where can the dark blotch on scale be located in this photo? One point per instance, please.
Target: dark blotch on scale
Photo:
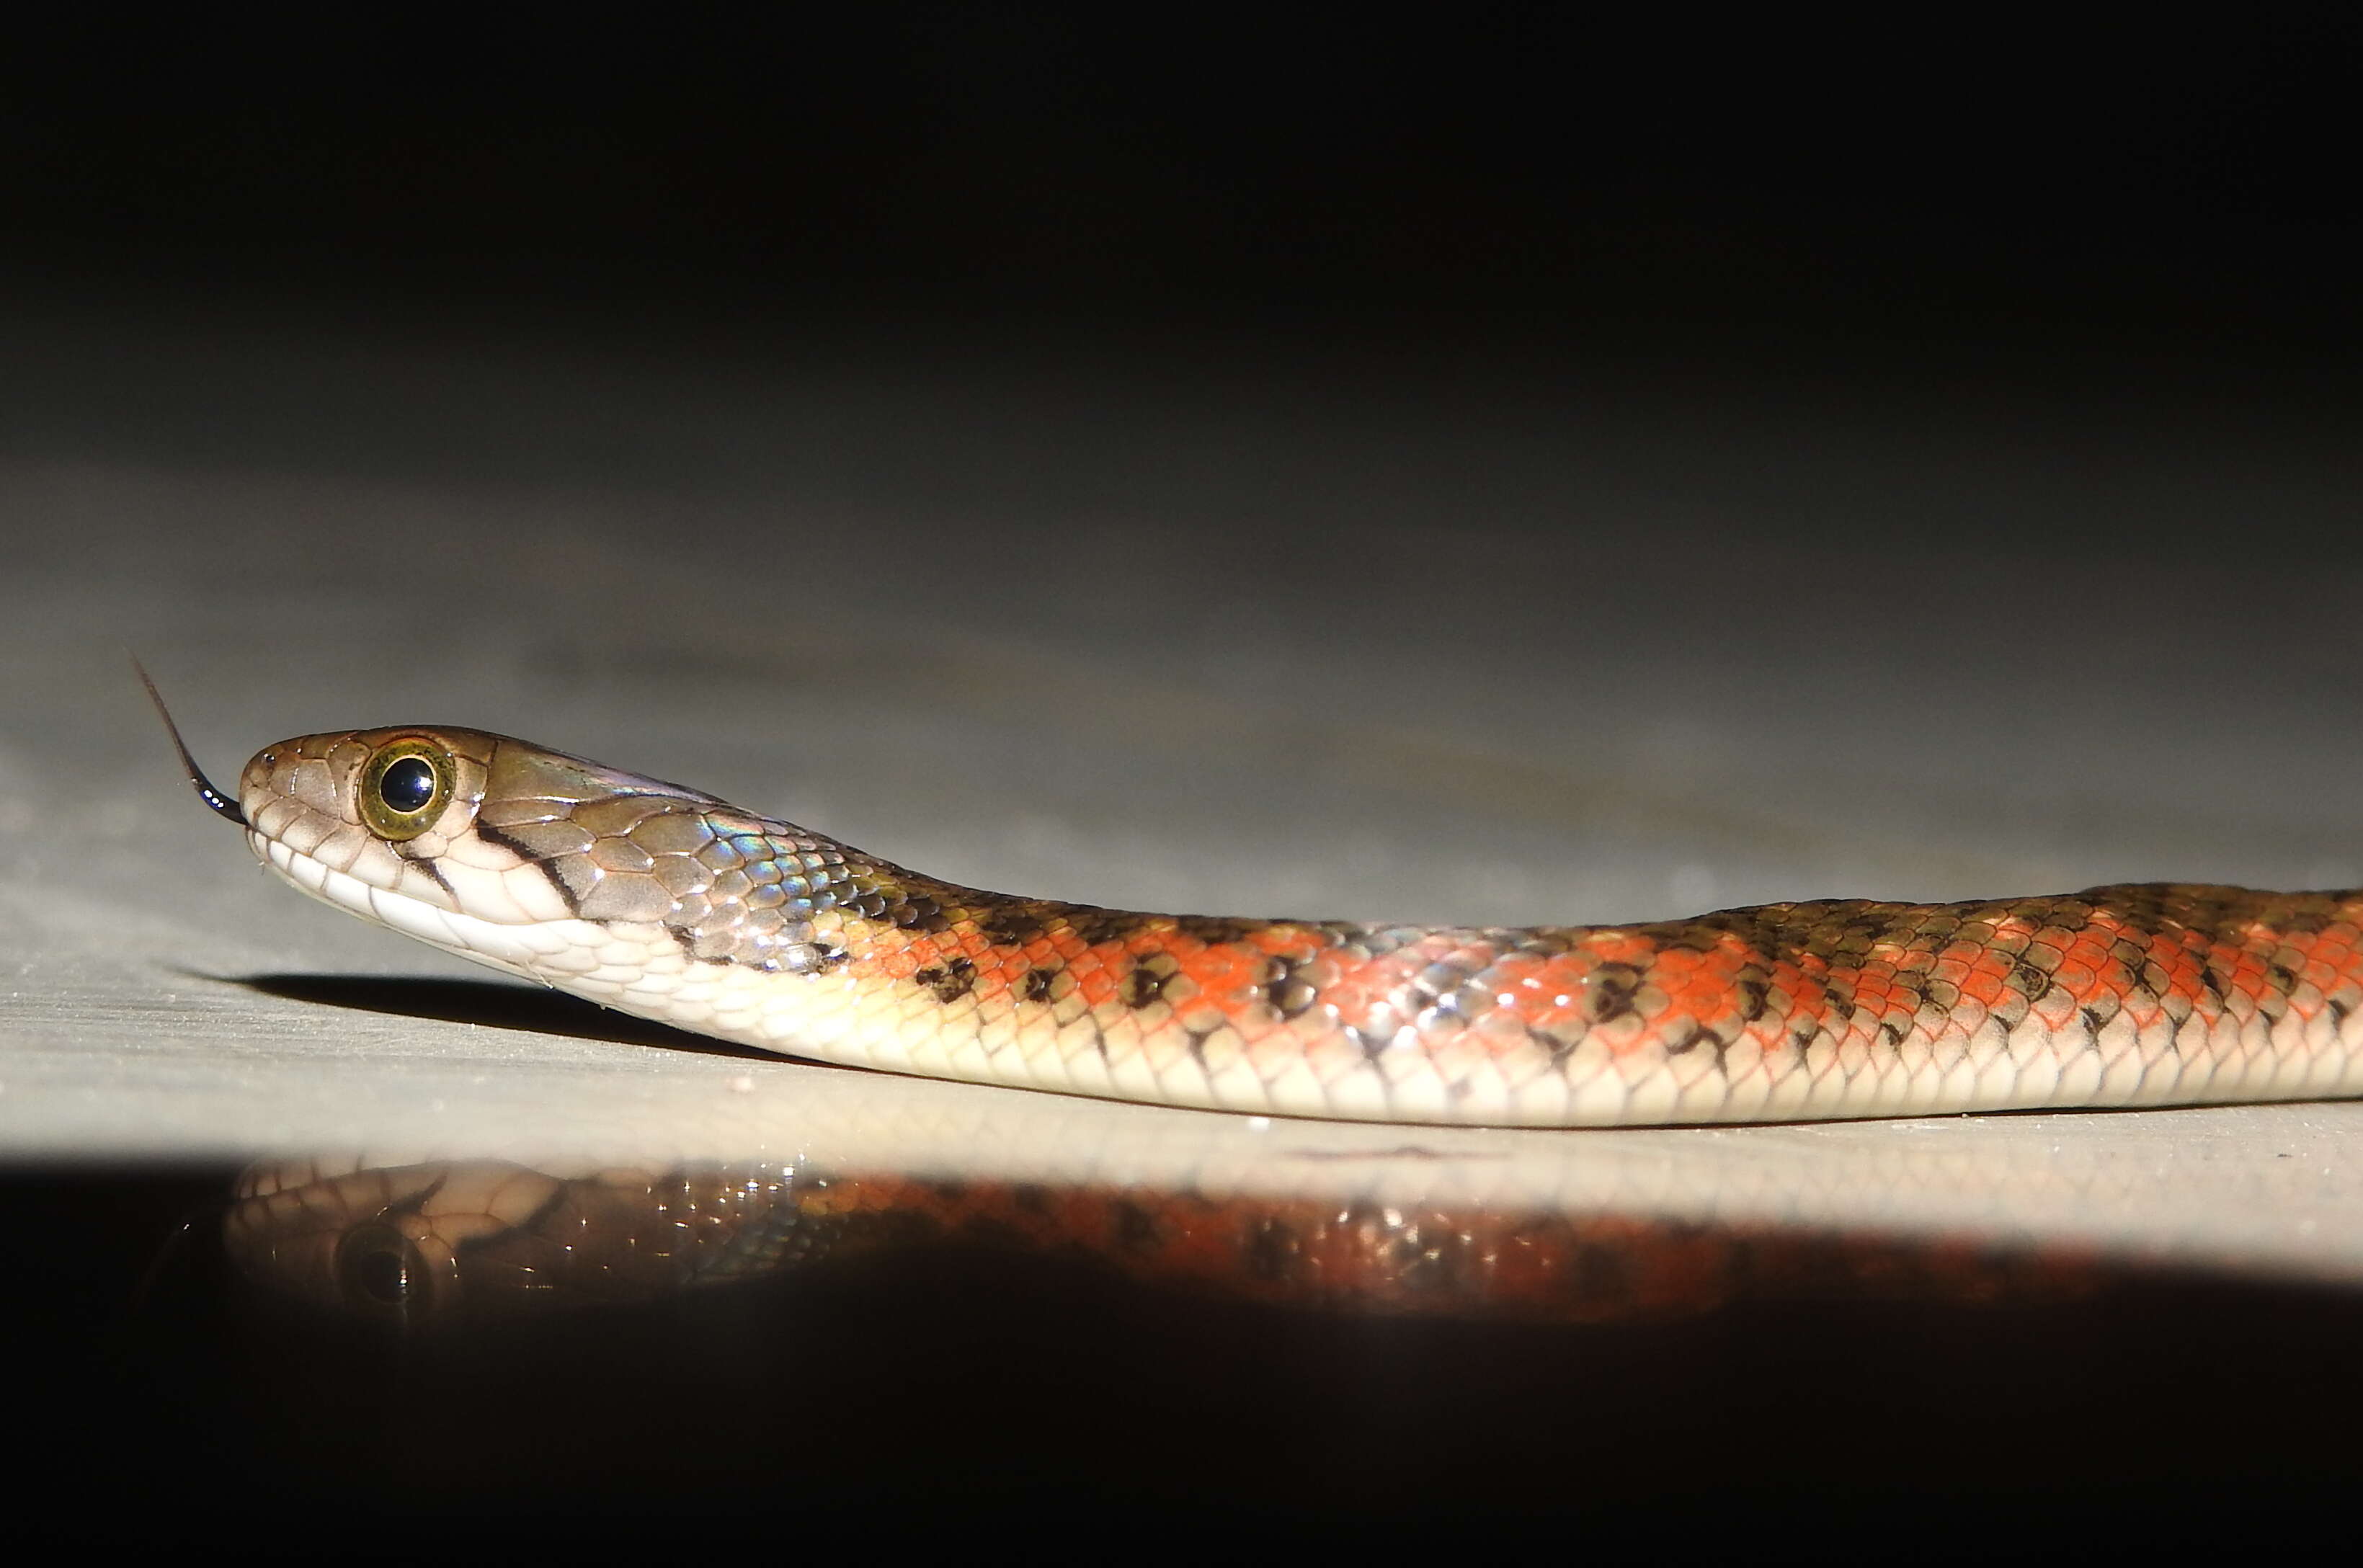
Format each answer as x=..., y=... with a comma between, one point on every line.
x=949, y=982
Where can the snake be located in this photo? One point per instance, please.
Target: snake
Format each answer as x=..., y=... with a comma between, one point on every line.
x=670, y=904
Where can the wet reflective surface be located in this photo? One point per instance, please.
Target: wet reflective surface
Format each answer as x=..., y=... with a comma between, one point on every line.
x=460, y=1357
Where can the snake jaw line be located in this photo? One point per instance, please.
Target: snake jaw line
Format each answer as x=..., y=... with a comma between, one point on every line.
x=213, y=797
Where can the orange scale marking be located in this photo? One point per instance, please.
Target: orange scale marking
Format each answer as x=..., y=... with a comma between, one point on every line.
x=1348, y=998
x=1869, y=988
x=1807, y=995
x=998, y=973
x=974, y=946
x=1289, y=941
x=923, y=951
x=1620, y=947
x=1158, y=936
x=2078, y=978
x=2244, y=970
x=1705, y=985
x=1518, y=975
x=1707, y=1003
x=2181, y=967
x=1988, y=980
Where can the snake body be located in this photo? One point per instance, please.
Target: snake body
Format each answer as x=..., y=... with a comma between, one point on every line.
x=673, y=905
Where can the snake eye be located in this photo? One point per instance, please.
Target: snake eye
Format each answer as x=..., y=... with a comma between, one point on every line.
x=405, y=788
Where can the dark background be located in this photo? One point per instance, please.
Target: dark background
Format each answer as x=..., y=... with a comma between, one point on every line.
x=1942, y=196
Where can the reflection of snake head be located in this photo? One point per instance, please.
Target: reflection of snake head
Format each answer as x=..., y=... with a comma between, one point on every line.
x=412, y=1246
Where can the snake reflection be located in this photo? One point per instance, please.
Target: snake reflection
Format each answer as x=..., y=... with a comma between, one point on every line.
x=469, y=1243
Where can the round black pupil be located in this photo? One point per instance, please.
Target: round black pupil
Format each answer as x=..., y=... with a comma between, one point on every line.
x=407, y=785
x=382, y=1276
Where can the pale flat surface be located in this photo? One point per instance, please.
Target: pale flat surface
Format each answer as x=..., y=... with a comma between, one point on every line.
x=1233, y=634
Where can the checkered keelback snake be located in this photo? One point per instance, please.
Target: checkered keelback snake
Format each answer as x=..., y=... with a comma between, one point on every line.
x=670, y=904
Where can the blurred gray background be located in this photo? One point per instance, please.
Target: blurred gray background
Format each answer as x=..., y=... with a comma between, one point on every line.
x=1535, y=474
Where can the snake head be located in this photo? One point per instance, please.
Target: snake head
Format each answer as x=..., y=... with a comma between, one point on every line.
x=489, y=847
x=389, y=808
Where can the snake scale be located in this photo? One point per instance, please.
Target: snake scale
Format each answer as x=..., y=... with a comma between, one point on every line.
x=673, y=905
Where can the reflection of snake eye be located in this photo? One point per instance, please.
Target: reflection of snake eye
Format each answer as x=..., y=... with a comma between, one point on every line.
x=381, y=1277
x=378, y=1268
x=405, y=788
